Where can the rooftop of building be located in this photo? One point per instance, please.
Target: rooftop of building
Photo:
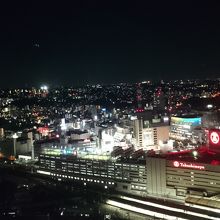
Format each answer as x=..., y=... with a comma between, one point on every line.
x=187, y=116
x=77, y=131
x=200, y=155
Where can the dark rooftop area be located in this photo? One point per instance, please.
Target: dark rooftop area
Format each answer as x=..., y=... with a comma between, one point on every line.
x=205, y=155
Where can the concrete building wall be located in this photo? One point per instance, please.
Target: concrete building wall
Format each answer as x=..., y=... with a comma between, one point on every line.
x=162, y=133
x=24, y=147
x=205, y=179
x=81, y=136
x=156, y=176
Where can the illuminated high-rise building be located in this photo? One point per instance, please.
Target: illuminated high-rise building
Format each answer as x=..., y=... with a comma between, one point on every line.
x=149, y=129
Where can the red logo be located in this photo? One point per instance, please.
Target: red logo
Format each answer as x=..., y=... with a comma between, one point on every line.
x=176, y=164
x=214, y=137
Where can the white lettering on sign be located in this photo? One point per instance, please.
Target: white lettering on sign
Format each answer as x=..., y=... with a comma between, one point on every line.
x=188, y=165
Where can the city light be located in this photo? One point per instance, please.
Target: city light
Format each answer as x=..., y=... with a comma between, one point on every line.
x=209, y=106
x=110, y=110
x=141, y=210
x=43, y=172
x=168, y=208
x=15, y=136
x=195, y=153
x=44, y=87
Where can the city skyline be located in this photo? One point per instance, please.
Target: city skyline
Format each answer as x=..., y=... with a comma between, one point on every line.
x=107, y=43
x=123, y=144
x=110, y=110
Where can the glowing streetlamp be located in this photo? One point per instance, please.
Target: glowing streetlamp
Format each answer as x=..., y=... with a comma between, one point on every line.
x=195, y=153
x=14, y=136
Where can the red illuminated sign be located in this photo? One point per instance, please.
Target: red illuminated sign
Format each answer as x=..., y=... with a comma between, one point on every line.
x=188, y=165
x=43, y=130
x=214, y=137
x=176, y=164
x=214, y=140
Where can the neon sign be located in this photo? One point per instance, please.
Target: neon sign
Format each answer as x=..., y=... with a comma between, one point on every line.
x=188, y=165
x=214, y=137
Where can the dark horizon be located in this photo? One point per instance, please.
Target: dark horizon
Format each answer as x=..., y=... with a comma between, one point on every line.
x=89, y=43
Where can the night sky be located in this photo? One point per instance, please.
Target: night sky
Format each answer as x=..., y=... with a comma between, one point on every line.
x=112, y=41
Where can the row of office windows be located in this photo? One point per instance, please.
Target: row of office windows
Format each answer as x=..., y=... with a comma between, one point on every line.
x=193, y=181
x=133, y=172
x=107, y=174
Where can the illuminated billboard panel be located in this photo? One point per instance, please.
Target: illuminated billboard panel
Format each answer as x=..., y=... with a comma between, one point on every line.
x=214, y=139
x=182, y=128
x=186, y=121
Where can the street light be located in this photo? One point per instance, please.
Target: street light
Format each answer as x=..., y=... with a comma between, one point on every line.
x=195, y=153
x=14, y=136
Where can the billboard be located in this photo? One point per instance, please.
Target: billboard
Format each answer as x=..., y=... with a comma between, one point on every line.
x=214, y=139
x=186, y=121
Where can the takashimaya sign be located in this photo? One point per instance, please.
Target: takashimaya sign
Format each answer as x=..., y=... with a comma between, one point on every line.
x=188, y=165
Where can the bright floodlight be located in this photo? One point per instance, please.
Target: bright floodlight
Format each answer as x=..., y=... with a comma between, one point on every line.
x=195, y=153
x=14, y=136
x=209, y=106
x=44, y=87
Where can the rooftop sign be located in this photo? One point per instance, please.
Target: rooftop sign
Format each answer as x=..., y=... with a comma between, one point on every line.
x=186, y=121
x=214, y=137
